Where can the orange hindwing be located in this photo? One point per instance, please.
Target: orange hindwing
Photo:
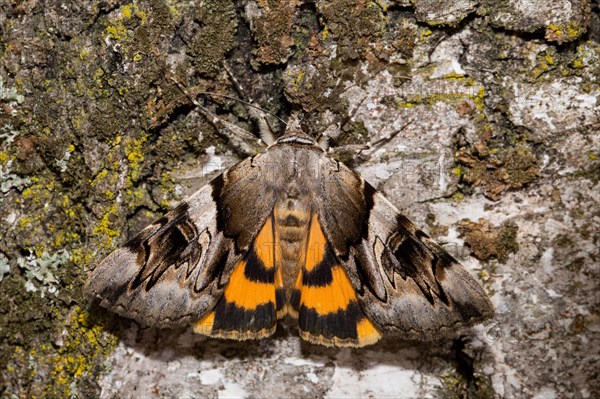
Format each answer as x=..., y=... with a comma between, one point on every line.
x=250, y=303
x=324, y=300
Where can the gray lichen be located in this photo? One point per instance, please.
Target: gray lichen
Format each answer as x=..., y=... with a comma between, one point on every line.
x=9, y=94
x=492, y=112
x=4, y=266
x=41, y=272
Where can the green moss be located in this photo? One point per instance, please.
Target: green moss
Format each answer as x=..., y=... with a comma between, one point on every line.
x=272, y=31
x=455, y=385
x=487, y=241
x=513, y=165
x=354, y=26
x=215, y=37
x=71, y=363
x=507, y=240
x=91, y=102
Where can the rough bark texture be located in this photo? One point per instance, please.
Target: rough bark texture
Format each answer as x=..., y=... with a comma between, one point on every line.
x=500, y=159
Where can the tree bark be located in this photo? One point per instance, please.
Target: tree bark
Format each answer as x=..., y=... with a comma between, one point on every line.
x=492, y=110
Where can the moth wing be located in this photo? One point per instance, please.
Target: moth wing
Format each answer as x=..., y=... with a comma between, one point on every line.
x=175, y=270
x=406, y=284
x=324, y=300
x=253, y=298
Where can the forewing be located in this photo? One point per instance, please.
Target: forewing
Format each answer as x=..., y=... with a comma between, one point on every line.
x=406, y=283
x=174, y=271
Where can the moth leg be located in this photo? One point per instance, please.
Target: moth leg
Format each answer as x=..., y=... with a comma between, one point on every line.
x=333, y=133
x=365, y=151
x=265, y=129
x=384, y=140
x=245, y=142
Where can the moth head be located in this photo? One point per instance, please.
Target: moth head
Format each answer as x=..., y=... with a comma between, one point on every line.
x=294, y=135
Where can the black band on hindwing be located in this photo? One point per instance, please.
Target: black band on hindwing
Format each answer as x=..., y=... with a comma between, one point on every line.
x=341, y=324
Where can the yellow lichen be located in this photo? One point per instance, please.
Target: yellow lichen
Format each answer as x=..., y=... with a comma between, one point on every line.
x=298, y=79
x=424, y=34
x=578, y=64
x=135, y=155
x=40, y=250
x=104, y=229
x=82, y=256
x=84, y=54
x=325, y=33
x=561, y=33
x=25, y=221
x=127, y=10
x=117, y=31
x=458, y=196
x=84, y=342
x=62, y=237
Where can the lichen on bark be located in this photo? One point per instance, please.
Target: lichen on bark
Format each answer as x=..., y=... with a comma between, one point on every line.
x=487, y=119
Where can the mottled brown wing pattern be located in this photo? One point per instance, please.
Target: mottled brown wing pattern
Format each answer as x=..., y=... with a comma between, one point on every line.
x=216, y=261
x=174, y=271
x=406, y=283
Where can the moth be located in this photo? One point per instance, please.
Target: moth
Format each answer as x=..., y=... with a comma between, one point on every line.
x=290, y=232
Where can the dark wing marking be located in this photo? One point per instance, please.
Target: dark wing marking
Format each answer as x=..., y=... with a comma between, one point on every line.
x=406, y=283
x=174, y=271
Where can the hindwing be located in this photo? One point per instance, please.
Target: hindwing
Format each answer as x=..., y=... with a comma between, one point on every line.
x=324, y=300
x=252, y=299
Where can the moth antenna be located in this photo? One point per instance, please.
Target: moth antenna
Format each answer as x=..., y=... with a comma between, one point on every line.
x=391, y=136
x=212, y=93
x=246, y=142
x=324, y=102
x=362, y=148
x=265, y=129
x=386, y=139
